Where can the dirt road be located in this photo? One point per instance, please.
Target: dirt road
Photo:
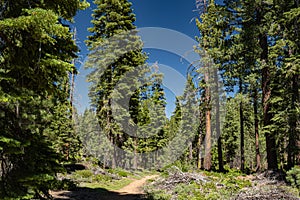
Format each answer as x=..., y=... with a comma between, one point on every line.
x=133, y=191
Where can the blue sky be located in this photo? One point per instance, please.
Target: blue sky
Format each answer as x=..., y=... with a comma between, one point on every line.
x=176, y=17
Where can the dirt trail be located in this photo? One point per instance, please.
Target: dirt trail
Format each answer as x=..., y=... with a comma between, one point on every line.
x=136, y=186
x=133, y=191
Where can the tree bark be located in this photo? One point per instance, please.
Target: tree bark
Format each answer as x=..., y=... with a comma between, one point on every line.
x=199, y=157
x=135, y=162
x=190, y=151
x=207, y=157
x=111, y=136
x=218, y=125
x=266, y=94
x=242, y=134
x=293, y=138
x=256, y=129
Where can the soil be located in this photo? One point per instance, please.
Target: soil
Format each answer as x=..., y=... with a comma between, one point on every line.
x=133, y=191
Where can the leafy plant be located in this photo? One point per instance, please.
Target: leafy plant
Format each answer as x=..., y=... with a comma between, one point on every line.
x=83, y=174
x=119, y=172
x=293, y=177
x=102, y=178
x=65, y=184
x=158, y=195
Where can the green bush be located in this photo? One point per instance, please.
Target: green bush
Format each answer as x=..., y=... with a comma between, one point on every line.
x=183, y=166
x=293, y=177
x=83, y=174
x=101, y=178
x=220, y=186
x=65, y=184
x=123, y=173
x=119, y=172
x=158, y=195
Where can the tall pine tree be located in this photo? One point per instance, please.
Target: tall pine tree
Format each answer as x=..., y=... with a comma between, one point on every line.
x=116, y=50
x=36, y=53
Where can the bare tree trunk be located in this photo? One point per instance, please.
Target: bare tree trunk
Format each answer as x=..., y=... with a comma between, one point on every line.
x=72, y=93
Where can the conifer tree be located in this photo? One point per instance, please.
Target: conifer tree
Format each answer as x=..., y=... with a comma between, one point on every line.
x=291, y=70
x=115, y=42
x=211, y=41
x=36, y=53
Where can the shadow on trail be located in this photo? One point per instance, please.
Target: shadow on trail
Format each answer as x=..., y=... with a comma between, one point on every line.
x=83, y=193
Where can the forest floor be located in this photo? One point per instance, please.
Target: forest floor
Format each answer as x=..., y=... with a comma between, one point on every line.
x=217, y=186
x=175, y=184
x=133, y=191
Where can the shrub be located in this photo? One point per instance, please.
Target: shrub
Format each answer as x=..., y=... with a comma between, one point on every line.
x=159, y=195
x=102, y=178
x=83, y=174
x=65, y=184
x=293, y=177
x=119, y=172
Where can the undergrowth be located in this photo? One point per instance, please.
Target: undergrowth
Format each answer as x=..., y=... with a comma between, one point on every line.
x=109, y=179
x=219, y=186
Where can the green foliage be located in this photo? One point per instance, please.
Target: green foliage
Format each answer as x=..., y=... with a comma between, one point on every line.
x=293, y=177
x=83, y=174
x=108, y=185
x=92, y=138
x=102, y=178
x=182, y=166
x=158, y=195
x=36, y=51
x=118, y=171
x=65, y=184
x=61, y=132
x=219, y=186
x=113, y=29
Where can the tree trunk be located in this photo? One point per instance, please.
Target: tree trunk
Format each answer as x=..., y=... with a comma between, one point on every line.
x=218, y=125
x=190, y=152
x=207, y=157
x=256, y=123
x=72, y=93
x=111, y=136
x=199, y=157
x=242, y=134
x=266, y=94
x=72, y=89
x=293, y=138
x=135, y=153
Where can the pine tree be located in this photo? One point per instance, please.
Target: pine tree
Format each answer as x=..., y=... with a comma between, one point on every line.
x=188, y=111
x=266, y=80
x=147, y=111
x=36, y=53
x=256, y=50
x=113, y=30
x=291, y=71
x=212, y=29
x=230, y=133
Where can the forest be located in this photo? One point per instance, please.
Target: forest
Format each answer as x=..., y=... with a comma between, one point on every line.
x=234, y=133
